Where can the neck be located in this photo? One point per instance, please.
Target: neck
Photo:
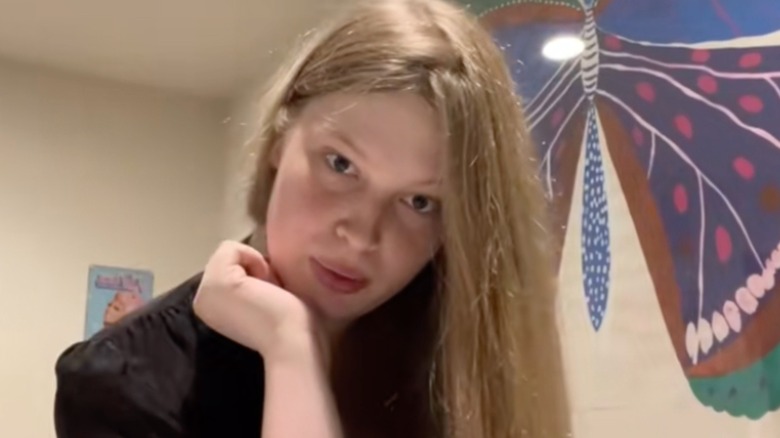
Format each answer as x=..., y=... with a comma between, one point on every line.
x=330, y=338
x=334, y=332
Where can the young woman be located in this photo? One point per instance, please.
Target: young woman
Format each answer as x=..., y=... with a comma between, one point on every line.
x=399, y=282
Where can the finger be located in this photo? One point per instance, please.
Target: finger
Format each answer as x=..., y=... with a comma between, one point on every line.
x=273, y=277
x=249, y=259
x=253, y=262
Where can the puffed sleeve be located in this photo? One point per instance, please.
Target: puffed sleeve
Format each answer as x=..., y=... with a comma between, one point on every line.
x=132, y=379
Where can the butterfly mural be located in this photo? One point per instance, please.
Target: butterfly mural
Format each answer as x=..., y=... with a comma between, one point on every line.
x=684, y=96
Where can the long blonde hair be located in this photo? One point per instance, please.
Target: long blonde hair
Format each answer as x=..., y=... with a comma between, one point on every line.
x=498, y=369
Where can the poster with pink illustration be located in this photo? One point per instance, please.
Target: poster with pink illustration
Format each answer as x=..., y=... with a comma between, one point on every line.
x=113, y=293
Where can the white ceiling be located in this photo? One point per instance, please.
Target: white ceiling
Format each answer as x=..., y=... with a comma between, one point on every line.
x=209, y=48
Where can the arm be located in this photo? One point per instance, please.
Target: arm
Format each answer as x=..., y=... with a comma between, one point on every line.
x=97, y=396
x=119, y=382
x=298, y=398
x=238, y=298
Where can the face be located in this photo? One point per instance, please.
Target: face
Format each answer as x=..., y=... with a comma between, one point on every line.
x=354, y=213
x=124, y=302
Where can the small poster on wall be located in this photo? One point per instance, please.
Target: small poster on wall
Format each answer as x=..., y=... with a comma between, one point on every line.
x=113, y=293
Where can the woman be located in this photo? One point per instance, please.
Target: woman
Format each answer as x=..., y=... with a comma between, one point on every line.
x=406, y=288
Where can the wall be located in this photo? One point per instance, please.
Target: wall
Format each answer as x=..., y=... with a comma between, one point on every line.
x=659, y=147
x=92, y=172
x=241, y=149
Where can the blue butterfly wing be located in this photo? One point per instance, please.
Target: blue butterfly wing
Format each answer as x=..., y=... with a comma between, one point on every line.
x=700, y=127
x=689, y=21
x=555, y=108
x=692, y=138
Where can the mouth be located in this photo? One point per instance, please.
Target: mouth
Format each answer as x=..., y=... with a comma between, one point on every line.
x=339, y=279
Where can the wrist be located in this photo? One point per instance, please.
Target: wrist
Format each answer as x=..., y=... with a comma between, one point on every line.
x=297, y=346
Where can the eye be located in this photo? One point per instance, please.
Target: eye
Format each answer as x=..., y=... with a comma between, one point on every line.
x=339, y=164
x=421, y=204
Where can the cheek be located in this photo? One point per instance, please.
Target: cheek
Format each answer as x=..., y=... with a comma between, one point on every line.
x=408, y=250
x=297, y=210
x=419, y=235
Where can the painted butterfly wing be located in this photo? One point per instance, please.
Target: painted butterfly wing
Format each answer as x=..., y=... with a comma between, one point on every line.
x=553, y=100
x=485, y=8
x=700, y=127
x=689, y=21
x=725, y=254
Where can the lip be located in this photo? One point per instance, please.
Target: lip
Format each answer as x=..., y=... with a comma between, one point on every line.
x=339, y=279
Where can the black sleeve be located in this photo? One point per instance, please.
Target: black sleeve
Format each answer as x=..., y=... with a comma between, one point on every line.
x=98, y=396
x=132, y=379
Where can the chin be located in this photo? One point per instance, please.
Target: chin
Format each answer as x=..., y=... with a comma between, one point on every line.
x=336, y=309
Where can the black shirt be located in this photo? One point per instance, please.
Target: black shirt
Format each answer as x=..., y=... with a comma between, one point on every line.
x=160, y=372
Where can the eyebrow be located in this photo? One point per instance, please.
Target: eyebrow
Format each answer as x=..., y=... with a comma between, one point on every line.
x=329, y=126
x=429, y=182
x=344, y=138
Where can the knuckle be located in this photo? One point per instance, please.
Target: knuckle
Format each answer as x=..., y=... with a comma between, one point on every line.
x=226, y=245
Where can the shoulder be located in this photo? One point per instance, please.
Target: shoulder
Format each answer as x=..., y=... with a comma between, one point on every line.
x=149, y=332
x=136, y=369
x=161, y=369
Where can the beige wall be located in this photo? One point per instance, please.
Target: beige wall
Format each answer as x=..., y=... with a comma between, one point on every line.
x=92, y=172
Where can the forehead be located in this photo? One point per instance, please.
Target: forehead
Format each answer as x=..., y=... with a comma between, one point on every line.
x=392, y=128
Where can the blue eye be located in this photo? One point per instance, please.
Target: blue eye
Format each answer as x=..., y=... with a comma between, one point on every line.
x=421, y=204
x=339, y=164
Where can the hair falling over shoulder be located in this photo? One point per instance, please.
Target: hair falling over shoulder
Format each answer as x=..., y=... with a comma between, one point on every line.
x=498, y=368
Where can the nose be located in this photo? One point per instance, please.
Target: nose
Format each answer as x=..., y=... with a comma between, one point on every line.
x=362, y=227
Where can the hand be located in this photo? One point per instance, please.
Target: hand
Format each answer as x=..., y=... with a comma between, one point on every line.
x=240, y=298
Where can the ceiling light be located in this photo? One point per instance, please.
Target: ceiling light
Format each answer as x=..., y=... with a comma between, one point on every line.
x=561, y=48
